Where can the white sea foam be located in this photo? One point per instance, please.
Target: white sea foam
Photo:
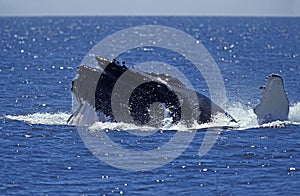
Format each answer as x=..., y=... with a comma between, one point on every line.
x=294, y=115
x=242, y=113
x=247, y=119
x=42, y=118
x=120, y=126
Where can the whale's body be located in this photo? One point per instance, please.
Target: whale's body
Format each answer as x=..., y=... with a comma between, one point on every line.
x=98, y=99
x=274, y=104
x=95, y=88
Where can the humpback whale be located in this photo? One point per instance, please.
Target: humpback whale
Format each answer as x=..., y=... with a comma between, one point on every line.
x=274, y=104
x=94, y=89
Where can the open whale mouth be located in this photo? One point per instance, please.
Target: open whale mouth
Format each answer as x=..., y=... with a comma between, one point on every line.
x=158, y=97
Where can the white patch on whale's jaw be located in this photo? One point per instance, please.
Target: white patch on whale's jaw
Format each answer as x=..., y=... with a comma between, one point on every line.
x=274, y=103
x=85, y=115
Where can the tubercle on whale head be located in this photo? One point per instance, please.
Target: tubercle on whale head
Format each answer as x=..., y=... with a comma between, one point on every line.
x=102, y=61
x=273, y=75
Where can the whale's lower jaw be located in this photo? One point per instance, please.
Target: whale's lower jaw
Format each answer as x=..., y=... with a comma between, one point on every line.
x=274, y=103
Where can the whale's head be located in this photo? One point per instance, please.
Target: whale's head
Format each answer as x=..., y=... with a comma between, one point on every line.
x=274, y=104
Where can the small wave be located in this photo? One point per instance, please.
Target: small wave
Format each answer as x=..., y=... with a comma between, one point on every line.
x=41, y=118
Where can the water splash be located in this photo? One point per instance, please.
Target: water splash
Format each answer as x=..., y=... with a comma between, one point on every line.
x=241, y=112
x=294, y=114
x=247, y=119
x=41, y=118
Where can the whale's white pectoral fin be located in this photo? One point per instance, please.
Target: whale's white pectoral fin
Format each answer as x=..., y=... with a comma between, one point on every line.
x=274, y=104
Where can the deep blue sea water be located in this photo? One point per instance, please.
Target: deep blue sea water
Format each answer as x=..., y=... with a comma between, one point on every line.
x=41, y=155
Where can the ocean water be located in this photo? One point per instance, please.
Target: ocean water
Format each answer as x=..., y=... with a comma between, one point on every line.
x=41, y=155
